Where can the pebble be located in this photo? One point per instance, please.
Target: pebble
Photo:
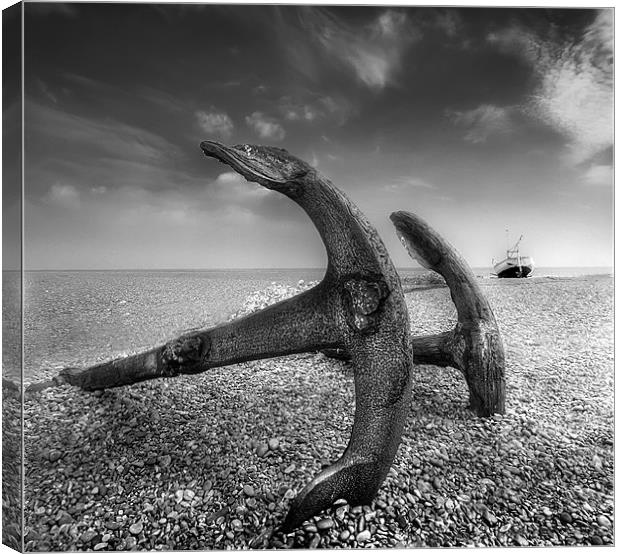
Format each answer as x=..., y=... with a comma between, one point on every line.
x=136, y=528
x=521, y=541
x=248, y=490
x=604, y=521
x=88, y=536
x=261, y=450
x=64, y=518
x=489, y=517
x=314, y=542
x=565, y=517
x=582, y=486
x=100, y=546
x=289, y=469
x=363, y=536
x=54, y=455
x=274, y=444
x=325, y=523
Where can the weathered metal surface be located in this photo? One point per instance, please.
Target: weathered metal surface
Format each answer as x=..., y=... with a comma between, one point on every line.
x=475, y=345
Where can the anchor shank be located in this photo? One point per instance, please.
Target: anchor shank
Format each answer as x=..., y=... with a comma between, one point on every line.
x=300, y=324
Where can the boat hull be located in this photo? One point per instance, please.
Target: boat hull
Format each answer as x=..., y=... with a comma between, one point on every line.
x=511, y=268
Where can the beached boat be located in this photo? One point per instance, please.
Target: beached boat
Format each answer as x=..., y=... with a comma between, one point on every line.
x=514, y=265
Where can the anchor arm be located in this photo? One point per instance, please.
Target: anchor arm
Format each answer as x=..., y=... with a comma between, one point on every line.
x=474, y=346
x=300, y=324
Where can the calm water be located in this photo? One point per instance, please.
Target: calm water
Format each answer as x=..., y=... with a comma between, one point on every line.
x=77, y=318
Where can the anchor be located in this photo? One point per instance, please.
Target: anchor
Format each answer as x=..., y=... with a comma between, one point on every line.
x=358, y=308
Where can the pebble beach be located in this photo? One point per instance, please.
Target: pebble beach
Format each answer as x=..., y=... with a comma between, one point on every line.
x=212, y=461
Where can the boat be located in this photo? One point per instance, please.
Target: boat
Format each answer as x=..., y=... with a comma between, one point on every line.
x=514, y=265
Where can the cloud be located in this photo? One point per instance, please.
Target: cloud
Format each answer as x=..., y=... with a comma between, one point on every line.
x=215, y=123
x=265, y=127
x=483, y=122
x=106, y=137
x=448, y=21
x=63, y=195
x=599, y=175
x=298, y=112
x=372, y=51
x=309, y=108
x=407, y=182
x=574, y=92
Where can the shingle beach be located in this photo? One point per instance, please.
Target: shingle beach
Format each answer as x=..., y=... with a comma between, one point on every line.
x=212, y=461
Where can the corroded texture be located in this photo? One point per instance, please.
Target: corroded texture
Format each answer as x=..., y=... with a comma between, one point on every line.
x=474, y=346
x=358, y=307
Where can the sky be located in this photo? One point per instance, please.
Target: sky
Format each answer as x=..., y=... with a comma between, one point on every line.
x=478, y=120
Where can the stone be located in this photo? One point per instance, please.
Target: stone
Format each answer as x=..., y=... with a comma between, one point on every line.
x=100, y=546
x=248, y=490
x=88, y=536
x=546, y=511
x=64, y=518
x=489, y=517
x=344, y=535
x=316, y=539
x=362, y=537
x=521, y=541
x=596, y=540
x=136, y=528
x=565, y=517
x=274, y=444
x=604, y=521
x=261, y=450
x=325, y=523
x=55, y=455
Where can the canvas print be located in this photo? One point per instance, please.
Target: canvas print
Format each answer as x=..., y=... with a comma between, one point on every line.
x=307, y=276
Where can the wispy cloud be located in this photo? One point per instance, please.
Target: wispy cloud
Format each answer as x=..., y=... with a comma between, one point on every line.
x=575, y=83
x=599, y=175
x=308, y=107
x=108, y=137
x=265, y=127
x=447, y=21
x=407, y=182
x=483, y=122
x=373, y=51
x=63, y=195
x=215, y=123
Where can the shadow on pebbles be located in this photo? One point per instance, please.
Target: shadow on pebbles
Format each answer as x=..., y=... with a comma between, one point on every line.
x=213, y=461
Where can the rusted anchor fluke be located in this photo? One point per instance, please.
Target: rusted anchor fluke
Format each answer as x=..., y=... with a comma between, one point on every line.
x=364, y=312
x=358, y=307
x=474, y=346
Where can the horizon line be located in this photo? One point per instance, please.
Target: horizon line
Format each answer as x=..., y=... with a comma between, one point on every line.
x=271, y=268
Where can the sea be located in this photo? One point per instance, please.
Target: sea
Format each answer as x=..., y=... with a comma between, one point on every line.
x=79, y=318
